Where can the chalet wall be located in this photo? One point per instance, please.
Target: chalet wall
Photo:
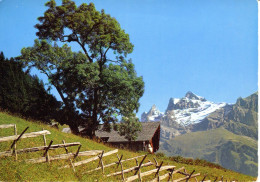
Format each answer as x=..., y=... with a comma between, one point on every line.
x=156, y=140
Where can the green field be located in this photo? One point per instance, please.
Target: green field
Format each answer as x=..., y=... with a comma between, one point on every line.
x=11, y=170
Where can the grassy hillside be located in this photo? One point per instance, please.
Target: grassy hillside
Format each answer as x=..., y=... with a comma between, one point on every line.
x=218, y=146
x=11, y=170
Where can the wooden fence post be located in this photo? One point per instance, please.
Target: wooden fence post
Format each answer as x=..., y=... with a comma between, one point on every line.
x=16, y=140
x=122, y=169
x=204, y=178
x=174, y=172
x=216, y=179
x=140, y=164
x=101, y=161
x=45, y=144
x=15, y=133
x=157, y=173
x=156, y=163
x=190, y=175
x=77, y=153
x=170, y=175
x=138, y=170
x=66, y=150
x=71, y=163
x=119, y=160
x=185, y=172
x=46, y=152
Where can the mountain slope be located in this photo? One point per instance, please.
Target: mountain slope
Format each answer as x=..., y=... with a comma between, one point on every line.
x=220, y=146
x=240, y=118
x=11, y=170
x=227, y=136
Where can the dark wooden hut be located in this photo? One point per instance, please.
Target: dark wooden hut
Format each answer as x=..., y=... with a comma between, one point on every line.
x=148, y=137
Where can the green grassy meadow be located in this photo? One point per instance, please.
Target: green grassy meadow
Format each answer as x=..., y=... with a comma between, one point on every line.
x=11, y=170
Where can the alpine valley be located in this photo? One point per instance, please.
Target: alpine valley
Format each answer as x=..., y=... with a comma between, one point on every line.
x=217, y=132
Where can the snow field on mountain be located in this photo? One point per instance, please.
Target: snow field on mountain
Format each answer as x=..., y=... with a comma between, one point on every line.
x=189, y=116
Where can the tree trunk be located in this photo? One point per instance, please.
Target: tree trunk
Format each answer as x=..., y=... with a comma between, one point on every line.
x=71, y=116
x=74, y=128
x=90, y=131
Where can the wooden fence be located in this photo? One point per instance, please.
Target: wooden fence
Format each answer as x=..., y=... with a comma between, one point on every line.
x=138, y=172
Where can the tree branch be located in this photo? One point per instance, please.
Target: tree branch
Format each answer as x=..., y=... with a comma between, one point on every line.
x=83, y=47
x=113, y=61
x=78, y=41
x=91, y=30
x=101, y=55
x=107, y=49
x=57, y=88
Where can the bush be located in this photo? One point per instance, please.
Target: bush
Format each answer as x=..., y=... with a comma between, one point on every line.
x=199, y=162
x=160, y=154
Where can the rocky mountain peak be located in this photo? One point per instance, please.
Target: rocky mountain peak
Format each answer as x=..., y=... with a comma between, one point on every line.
x=191, y=95
x=183, y=103
x=190, y=100
x=153, y=115
x=170, y=105
x=153, y=108
x=250, y=102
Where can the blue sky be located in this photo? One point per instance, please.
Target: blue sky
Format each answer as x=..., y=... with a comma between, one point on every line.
x=207, y=47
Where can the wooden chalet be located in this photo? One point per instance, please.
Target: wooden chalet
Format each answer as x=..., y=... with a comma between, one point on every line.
x=148, y=138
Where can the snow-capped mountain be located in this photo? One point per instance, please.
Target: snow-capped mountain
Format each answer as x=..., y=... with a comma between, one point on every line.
x=153, y=115
x=231, y=128
x=185, y=111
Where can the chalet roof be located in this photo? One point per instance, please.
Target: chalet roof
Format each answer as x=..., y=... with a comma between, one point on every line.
x=146, y=134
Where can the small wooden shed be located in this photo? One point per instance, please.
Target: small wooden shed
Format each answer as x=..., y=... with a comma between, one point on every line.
x=149, y=136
